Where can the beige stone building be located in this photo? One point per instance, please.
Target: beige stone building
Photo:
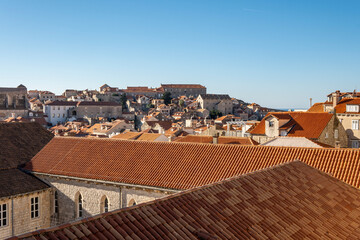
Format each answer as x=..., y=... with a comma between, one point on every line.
x=24, y=199
x=188, y=90
x=46, y=96
x=25, y=203
x=219, y=102
x=97, y=109
x=348, y=112
x=13, y=102
x=84, y=197
x=322, y=127
x=346, y=106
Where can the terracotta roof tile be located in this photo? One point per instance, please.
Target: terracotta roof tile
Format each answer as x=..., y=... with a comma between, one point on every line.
x=19, y=142
x=14, y=182
x=317, y=108
x=128, y=136
x=341, y=106
x=309, y=125
x=180, y=165
x=290, y=201
x=149, y=136
x=221, y=140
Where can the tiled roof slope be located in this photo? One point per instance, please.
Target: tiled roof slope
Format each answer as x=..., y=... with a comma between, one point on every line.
x=128, y=135
x=180, y=165
x=317, y=108
x=309, y=125
x=19, y=142
x=149, y=136
x=290, y=201
x=14, y=182
x=221, y=140
x=215, y=96
x=341, y=106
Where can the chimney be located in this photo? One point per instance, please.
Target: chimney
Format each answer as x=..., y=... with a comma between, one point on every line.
x=216, y=138
x=310, y=102
x=335, y=98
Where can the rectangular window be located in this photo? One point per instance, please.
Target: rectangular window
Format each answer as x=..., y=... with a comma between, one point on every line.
x=336, y=134
x=354, y=144
x=271, y=124
x=34, y=207
x=53, y=108
x=355, y=124
x=3, y=215
x=352, y=108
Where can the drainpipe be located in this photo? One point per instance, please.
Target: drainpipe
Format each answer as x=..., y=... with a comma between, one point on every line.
x=121, y=198
x=12, y=217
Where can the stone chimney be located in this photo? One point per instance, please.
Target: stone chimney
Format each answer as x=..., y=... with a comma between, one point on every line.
x=336, y=98
x=310, y=102
x=216, y=138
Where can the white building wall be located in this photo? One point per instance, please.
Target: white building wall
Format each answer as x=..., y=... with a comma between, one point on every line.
x=57, y=114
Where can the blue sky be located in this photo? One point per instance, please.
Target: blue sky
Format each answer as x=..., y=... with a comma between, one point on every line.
x=275, y=53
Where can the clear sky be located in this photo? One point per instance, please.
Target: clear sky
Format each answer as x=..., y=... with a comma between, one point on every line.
x=277, y=53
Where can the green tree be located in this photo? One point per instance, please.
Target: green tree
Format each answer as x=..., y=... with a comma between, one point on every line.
x=167, y=98
x=123, y=100
x=215, y=114
x=182, y=103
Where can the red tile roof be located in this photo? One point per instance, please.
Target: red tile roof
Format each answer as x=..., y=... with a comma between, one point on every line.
x=149, y=136
x=180, y=165
x=341, y=106
x=127, y=136
x=317, y=108
x=309, y=125
x=221, y=140
x=290, y=201
x=85, y=103
x=61, y=103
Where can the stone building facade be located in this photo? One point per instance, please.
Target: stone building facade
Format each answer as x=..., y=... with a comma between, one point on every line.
x=321, y=127
x=13, y=102
x=188, y=90
x=219, y=102
x=20, y=218
x=98, y=109
x=94, y=193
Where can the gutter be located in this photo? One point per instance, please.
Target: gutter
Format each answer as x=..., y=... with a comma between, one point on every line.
x=110, y=183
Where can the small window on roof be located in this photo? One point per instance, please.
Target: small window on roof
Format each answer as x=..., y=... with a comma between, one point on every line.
x=352, y=108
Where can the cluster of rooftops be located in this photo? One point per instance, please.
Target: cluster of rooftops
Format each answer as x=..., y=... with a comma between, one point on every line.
x=224, y=191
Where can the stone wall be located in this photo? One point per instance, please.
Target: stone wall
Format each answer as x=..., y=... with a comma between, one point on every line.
x=328, y=134
x=19, y=214
x=93, y=195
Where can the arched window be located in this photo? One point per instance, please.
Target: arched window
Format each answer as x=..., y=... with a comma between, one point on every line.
x=78, y=205
x=104, y=204
x=131, y=203
x=56, y=203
